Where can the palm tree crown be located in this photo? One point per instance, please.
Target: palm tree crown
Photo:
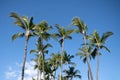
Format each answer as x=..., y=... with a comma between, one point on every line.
x=72, y=73
x=24, y=23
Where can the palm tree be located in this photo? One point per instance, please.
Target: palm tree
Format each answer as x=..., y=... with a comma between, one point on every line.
x=99, y=43
x=38, y=65
x=82, y=28
x=55, y=62
x=67, y=58
x=27, y=25
x=41, y=30
x=72, y=73
x=42, y=49
x=38, y=60
x=91, y=52
x=63, y=34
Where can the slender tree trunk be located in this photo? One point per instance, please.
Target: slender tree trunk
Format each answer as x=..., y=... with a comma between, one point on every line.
x=25, y=56
x=98, y=62
x=43, y=67
x=62, y=58
x=38, y=72
x=55, y=71
x=43, y=70
x=87, y=55
x=89, y=70
x=88, y=75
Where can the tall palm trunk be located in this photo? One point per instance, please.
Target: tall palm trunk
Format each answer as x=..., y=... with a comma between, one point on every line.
x=25, y=56
x=87, y=55
x=62, y=58
x=38, y=72
x=43, y=63
x=43, y=67
x=98, y=62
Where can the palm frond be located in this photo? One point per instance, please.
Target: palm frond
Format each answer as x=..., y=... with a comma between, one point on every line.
x=54, y=36
x=105, y=48
x=46, y=46
x=57, y=26
x=68, y=37
x=26, y=21
x=33, y=51
x=21, y=34
x=19, y=21
x=31, y=24
x=61, y=41
x=105, y=36
x=96, y=37
x=94, y=53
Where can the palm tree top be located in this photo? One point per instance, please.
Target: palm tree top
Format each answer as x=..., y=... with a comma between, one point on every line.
x=42, y=30
x=22, y=21
x=63, y=32
x=96, y=38
x=80, y=24
x=72, y=73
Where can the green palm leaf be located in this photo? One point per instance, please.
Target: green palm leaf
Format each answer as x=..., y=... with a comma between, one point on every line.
x=19, y=21
x=94, y=53
x=17, y=35
x=46, y=46
x=26, y=21
x=31, y=24
x=96, y=37
x=105, y=36
x=33, y=51
x=104, y=48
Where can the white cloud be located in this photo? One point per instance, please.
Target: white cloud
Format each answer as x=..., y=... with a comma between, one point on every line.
x=16, y=73
x=10, y=74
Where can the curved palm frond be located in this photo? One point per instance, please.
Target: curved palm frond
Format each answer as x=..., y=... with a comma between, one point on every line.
x=105, y=36
x=47, y=46
x=17, y=35
x=19, y=21
x=102, y=46
x=33, y=51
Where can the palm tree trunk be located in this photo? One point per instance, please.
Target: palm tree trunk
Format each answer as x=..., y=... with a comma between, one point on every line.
x=88, y=64
x=98, y=62
x=43, y=67
x=88, y=75
x=62, y=58
x=89, y=69
x=55, y=71
x=38, y=72
x=25, y=56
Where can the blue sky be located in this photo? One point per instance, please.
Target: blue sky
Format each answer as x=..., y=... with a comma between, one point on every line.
x=102, y=15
